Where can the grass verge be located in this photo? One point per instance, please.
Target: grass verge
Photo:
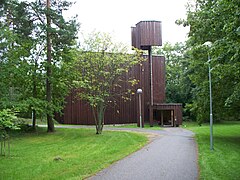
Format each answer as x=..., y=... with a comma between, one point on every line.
x=223, y=163
x=66, y=154
x=42, y=121
x=146, y=126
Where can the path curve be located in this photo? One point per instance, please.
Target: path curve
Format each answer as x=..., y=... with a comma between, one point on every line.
x=170, y=156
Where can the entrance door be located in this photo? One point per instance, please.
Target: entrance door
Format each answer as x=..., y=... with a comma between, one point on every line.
x=164, y=117
x=167, y=117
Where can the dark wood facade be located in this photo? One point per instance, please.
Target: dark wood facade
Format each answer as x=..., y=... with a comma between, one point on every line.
x=167, y=114
x=146, y=34
x=122, y=111
x=127, y=111
x=151, y=77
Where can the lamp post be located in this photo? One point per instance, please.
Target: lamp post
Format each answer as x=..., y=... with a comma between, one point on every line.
x=209, y=44
x=139, y=92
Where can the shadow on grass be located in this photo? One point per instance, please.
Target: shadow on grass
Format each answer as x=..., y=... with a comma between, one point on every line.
x=226, y=140
x=39, y=131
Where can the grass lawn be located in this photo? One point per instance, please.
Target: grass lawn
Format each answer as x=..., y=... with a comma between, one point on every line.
x=66, y=154
x=224, y=162
x=146, y=125
x=42, y=121
x=133, y=125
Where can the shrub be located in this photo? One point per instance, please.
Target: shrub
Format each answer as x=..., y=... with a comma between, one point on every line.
x=8, y=121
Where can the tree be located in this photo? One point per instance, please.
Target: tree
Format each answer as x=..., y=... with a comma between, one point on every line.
x=58, y=36
x=40, y=49
x=15, y=46
x=48, y=68
x=7, y=122
x=178, y=84
x=99, y=67
x=218, y=22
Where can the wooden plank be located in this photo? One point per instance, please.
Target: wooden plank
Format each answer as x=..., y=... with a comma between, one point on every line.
x=79, y=112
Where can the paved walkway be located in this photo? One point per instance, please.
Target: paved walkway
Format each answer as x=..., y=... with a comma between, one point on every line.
x=170, y=156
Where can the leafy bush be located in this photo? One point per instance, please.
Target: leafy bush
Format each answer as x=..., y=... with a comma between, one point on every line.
x=8, y=121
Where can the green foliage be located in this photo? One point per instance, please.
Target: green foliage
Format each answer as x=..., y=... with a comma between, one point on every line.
x=23, y=55
x=218, y=22
x=8, y=121
x=100, y=67
x=178, y=84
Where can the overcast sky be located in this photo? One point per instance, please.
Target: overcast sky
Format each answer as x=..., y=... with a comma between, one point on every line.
x=117, y=17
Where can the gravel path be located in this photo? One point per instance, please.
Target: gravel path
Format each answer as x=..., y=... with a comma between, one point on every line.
x=170, y=156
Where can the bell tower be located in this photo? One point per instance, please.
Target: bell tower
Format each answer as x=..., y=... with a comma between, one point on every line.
x=145, y=35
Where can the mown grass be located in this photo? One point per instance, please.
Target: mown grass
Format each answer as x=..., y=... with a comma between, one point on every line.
x=66, y=154
x=42, y=121
x=146, y=125
x=223, y=163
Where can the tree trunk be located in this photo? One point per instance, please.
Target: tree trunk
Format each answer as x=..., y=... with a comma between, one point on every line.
x=95, y=118
x=1, y=147
x=100, y=117
x=49, y=72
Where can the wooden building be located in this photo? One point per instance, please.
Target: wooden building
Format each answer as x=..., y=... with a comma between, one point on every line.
x=151, y=76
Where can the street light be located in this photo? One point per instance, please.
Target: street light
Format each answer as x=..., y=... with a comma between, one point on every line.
x=209, y=44
x=139, y=92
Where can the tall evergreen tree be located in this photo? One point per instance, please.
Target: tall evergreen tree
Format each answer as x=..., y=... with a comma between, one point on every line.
x=42, y=45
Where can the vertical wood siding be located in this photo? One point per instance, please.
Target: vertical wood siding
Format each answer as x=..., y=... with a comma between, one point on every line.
x=121, y=111
x=147, y=34
x=177, y=110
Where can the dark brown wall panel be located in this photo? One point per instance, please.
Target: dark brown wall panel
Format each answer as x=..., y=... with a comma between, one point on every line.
x=119, y=110
x=176, y=107
x=146, y=89
x=158, y=79
x=146, y=34
x=134, y=40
